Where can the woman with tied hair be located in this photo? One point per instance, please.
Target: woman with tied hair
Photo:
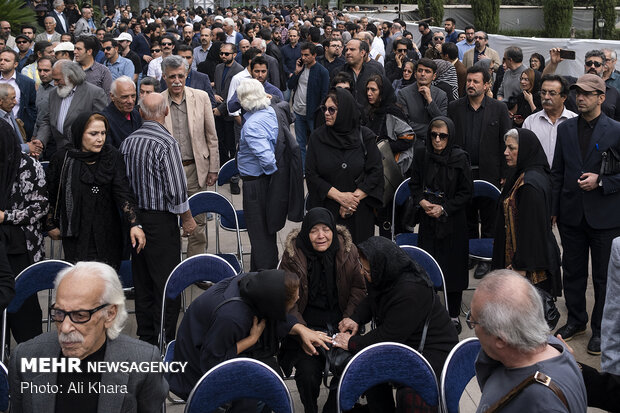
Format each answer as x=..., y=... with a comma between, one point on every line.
x=256, y=161
x=446, y=79
x=88, y=187
x=528, y=101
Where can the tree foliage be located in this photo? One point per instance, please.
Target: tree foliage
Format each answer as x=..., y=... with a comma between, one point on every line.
x=486, y=14
x=17, y=13
x=605, y=9
x=558, y=17
x=436, y=10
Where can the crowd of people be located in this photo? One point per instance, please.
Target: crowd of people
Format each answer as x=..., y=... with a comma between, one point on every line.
x=137, y=111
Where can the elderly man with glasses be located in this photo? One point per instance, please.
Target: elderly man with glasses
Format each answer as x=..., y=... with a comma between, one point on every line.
x=89, y=314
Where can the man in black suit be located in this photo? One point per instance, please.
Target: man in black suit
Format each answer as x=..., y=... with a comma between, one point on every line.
x=62, y=23
x=481, y=123
x=585, y=205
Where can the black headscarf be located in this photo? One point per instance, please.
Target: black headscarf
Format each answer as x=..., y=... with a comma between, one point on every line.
x=448, y=157
x=388, y=264
x=345, y=134
x=375, y=115
x=10, y=158
x=320, y=265
x=531, y=156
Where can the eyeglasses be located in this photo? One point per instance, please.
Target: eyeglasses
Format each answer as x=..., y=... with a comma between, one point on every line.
x=166, y=44
x=108, y=48
x=590, y=63
x=551, y=93
x=401, y=50
x=225, y=53
x=586, y=93
x=471, y=323
x=479, y=37
x=77, y=316
x=438, y=38
x=21, y=42
x=407, y=71
x=156, y=51
x=442, y=136
x=329, y=109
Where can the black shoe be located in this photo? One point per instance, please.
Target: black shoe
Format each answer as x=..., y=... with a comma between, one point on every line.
x=457, y=325
x=234, y=188
x=568, y=331
x=482, y=270
x=471, y=263
x=594, y=346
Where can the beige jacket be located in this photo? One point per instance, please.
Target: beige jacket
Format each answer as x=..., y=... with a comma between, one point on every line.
x=468, y=58
x=202, y=132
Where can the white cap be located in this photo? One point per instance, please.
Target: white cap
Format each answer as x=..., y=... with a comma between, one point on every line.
x=64, y=47
x=124, y=36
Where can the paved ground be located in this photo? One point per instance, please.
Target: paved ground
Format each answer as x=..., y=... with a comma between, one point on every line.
x=469, y=400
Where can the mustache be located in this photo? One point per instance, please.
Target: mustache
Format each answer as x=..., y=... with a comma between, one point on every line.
x=72, y=337
x=547, y=102
x=177, y=84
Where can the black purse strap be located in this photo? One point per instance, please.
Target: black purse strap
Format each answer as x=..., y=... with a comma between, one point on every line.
x=537, y=377
x=427, y=322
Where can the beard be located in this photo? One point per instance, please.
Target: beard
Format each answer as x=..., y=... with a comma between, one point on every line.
x=63, y=91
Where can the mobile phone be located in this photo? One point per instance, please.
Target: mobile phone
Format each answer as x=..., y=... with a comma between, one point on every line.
x=300, y=62
x=567, y=54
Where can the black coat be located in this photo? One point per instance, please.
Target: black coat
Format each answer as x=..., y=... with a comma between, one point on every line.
x=496, y=121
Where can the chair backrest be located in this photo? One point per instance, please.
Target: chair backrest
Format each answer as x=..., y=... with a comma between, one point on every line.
x=126, y=275
x=201, y=267
x=387, y=362
x=227, y=171
x=37, y=277
x=427, y=262
x=484, y=189
x=400, y=197
x=458, y=370
x=239, y=378
x=4, y=388
x=209, y=201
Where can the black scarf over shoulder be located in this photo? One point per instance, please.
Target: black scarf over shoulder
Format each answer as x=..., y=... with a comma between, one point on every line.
x=320, y=265
x=375, y=115
x=531, y=157
x=345, y=133
x=450, y=157
x=10, y=158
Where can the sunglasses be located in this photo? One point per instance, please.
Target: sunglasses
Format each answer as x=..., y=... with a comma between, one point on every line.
x=442, y=136
x=22, y=42
x=225, y=53
x=401, y=50
x=166, y=44
x=329, y=109
x=590, y=63
x=156, y=51
x=108, y=48
x=437, y=38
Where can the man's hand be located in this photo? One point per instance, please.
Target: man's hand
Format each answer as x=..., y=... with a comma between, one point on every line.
x=211, y=178
x=555, y=55
x=52, y=233
x=138, y=239
x=147, y=58
x=189, y=225
x=346, y=324
x=425, y=91
x=588, y=181
x=35, y=146
x=399, y=60
x=216, y=112
x=1, y=217
x=554, y=220
x=219, y=99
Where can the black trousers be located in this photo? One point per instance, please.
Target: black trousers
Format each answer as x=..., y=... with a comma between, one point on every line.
x=26, y=322
x=308, y=377
x=151, y=268
x=225, y=139
x=264, y=244
x=481, y=215
x=577, y=243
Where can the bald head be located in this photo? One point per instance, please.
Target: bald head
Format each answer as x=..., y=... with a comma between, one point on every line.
x=153, y=107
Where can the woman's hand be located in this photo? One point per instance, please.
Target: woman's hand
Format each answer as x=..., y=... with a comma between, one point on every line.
x=54, y=234
x=345, y=212
x=138, y=239
x=434, y=211
x=528, y=97
x=311, y=339
x=359, y=194
x=342, y=340
x=257, y=329
x=345, y=199
x=346, y=324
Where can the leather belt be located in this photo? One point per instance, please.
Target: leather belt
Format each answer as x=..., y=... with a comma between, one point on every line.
x=189, y=162
x=253, y=178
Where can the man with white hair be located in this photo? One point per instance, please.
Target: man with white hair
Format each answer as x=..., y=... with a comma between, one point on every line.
x=122, y=115
x=73, y=95
x=89, y=314
x=518, y=353
x=232, y=36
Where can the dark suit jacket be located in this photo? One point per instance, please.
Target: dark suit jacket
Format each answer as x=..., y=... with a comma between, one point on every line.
x=27, y=103
x=273, y=69
x=59, y=27
x=570, y=203
x=88, y=98
x=145, y=391
x=496, y=121
x=196, y=80
x=222, y=85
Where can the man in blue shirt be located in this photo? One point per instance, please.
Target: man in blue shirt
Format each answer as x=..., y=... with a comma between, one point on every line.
x=468, y=43
x=117, y=64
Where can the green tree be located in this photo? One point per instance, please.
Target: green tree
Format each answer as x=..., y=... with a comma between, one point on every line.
x=558, y=17
x=17, y=13
x=436, y=10
x=486, y=14
x=605, y=9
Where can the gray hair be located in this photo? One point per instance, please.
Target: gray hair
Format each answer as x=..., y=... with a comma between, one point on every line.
x=5, y=88
x=153, y=111
x=112, y=293
x=252, y=96
x=121, y=79
x=595, y=53
x=71, y=71
x=57, y=3
x=612, y=53
x=512, y=133
x=174, y=62
x=512, y=310
x=229, y=21
x=263, y=44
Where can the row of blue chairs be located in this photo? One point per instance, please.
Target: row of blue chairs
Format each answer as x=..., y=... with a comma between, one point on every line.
x=380, y=363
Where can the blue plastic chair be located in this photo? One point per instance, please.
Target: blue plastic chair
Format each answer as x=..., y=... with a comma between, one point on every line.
x=430, y=265
x=227, y=171
x=236, y=379
x=4, y=388
x=400, y=197
x=201, y=267
x=458, y=370
x=382, y=363
x=209, y=201
x=37, y=277
x=481, y=249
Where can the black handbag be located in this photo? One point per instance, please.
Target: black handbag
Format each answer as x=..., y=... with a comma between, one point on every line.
x=610, y=162
x=552, y=314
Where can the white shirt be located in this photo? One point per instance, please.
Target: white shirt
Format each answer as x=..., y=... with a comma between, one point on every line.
x=62, y=20
x=378, y=48
x=547, y=132
x=234, y=83
x=155, y=68
x=13, y=82
x=231, y=39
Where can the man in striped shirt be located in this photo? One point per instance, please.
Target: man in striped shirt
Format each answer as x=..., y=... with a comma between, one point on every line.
x=156, y=175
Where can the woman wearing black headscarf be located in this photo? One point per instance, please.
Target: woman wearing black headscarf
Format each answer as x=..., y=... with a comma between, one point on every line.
x=23, y=202
x=400, y=299
x=344, y=171
x=330, y=288
x=524, y=241
x=88, y=187
x=441, y=184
